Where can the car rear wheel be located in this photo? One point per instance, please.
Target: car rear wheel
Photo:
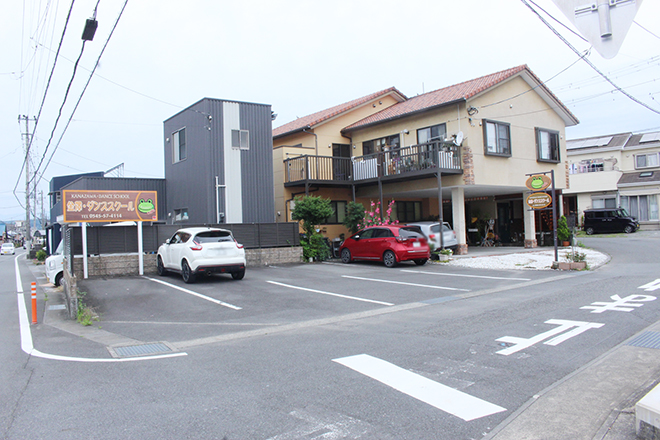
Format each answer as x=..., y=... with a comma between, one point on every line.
x=58, y=279
x=628, y=229
x=389, y=259
x=346, y=256
x=421, y=262
x=238, y=275
x=186, y=273
x=589, y=231
x=161, y=267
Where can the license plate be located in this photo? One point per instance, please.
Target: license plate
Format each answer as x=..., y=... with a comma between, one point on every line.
x=417, y=244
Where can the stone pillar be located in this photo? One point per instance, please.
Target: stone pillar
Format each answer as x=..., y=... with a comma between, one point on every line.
x=458, y=216
x=530, y=227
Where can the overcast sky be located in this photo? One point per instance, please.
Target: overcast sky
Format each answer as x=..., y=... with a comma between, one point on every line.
x=298, y=56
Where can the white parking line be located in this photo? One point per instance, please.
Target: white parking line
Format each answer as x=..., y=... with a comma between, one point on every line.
x=199, y=295
x=463, y=275
x=447, y=399
x=331, y=294
x=405, y=284
x=28, y=346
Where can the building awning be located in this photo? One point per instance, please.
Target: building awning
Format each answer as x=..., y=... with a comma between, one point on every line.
x=640, y=192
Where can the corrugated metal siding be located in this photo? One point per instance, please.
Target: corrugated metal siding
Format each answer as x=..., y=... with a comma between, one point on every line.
x=257, y=164
x=189, y=182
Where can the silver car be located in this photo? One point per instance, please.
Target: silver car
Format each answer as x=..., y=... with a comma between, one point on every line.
x=432, y=232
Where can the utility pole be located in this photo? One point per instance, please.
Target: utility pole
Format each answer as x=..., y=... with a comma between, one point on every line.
x=26, y=136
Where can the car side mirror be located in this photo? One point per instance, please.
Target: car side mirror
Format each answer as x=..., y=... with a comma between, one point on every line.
x=357, y=237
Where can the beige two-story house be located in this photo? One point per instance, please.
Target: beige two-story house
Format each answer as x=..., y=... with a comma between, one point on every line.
x=468, y=148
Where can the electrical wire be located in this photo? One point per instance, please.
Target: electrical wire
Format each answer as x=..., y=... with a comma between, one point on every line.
x=98, y=60
x=589, y=63
x=52, y=71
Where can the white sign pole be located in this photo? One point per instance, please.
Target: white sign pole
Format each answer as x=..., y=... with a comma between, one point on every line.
x=84, y=244
x=140, y=249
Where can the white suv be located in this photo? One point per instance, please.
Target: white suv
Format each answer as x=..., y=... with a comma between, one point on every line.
x=432, y=231
x=194, y=251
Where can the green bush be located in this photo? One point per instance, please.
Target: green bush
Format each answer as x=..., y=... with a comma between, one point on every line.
x=563, y=233
x=315, y=247
x=354, y=216
x=41, y=255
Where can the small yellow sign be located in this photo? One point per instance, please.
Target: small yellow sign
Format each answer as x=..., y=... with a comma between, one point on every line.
x=538, y=200
x=538, y=182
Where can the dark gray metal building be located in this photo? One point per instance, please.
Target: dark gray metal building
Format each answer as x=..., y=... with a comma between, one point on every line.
x=219, y=163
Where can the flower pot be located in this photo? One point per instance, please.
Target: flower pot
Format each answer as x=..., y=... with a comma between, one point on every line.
x=565, y=243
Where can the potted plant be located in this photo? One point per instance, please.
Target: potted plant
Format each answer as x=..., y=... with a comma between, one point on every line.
x=444, y=254
x=563, y=233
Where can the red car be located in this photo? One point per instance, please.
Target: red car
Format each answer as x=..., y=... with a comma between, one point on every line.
x=390, y=244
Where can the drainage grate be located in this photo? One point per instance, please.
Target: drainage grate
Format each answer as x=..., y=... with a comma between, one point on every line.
x=141, y=350
x=646, y=340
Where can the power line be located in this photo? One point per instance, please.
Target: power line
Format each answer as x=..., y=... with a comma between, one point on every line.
x=98, y=60
x=589, y=63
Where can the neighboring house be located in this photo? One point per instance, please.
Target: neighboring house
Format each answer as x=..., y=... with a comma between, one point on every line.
x=218, y=163
x=485, y=136
x=619, y=170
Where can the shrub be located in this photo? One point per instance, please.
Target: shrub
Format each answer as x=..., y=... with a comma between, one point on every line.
x=563, y=233
x=41, y=255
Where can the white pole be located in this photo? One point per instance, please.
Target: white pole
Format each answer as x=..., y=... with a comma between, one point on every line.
x=140, y=249
x=84, y=243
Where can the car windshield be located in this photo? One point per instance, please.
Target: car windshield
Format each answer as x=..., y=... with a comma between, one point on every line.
x=213, y=236
x=7, y=245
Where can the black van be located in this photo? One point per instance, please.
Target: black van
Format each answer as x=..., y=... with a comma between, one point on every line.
x=609, y=220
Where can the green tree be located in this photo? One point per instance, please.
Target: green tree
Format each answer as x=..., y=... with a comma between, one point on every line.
x=354, y=216
x=312, y=211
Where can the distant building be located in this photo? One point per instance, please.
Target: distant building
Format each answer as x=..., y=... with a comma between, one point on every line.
x=616, y=170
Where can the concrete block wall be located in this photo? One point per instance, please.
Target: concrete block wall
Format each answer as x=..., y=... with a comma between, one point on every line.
x=122, y=265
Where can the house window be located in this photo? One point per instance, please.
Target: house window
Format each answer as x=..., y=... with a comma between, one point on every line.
x=240, y=139
x=382, y=144
x=181, y=215
x=339, y=215
x=497, y=138
x=406, y=212
x=643, y=208
x=547, y=145
x=431, y=134
x=646, y=160
x=179, y=151
x=603, y=202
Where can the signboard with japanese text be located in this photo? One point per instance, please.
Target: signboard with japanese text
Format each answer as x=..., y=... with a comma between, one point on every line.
x=109, y=206
x=539, y=200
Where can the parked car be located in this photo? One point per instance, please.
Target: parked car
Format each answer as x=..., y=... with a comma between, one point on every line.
x=8, y=249
x=390, y=244
x=432, y=232
x=55, y=265
x=196, y=251
x=609, y=220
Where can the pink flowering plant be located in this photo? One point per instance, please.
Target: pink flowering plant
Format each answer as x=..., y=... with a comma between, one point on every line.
x=373, y=217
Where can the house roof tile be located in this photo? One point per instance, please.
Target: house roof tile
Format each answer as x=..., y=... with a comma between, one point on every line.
x=324, y=115
x=457, y=92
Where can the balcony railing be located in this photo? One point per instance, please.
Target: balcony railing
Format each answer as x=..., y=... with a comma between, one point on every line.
x=416, y=159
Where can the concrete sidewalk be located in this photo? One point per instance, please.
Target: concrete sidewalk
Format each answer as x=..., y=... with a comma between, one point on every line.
x=597, y=402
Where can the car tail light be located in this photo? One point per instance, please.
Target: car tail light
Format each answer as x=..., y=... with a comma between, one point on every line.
x=401, y=239
x=238, y=245
x=196, y=246
x=432, y=236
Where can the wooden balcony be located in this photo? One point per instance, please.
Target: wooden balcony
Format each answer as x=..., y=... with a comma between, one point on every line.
x=413, y=162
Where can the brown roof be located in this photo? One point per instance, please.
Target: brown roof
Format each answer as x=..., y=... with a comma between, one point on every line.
x=324, y=115
x=448, y=95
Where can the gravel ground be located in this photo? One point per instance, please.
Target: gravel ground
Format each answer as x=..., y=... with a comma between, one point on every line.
x=538, y=260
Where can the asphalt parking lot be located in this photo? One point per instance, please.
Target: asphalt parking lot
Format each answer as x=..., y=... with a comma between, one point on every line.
x=277, y=298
